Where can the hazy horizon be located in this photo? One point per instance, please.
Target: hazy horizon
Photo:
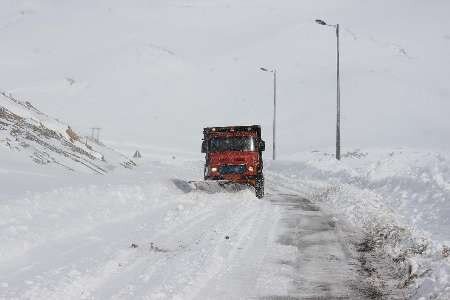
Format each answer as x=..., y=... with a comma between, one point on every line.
x=158, y=72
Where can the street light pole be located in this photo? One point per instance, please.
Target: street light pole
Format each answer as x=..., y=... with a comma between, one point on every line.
x=338, y=98
x=274, y=72
x=338, y=90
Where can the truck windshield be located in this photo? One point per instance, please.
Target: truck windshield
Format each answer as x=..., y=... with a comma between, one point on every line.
x=245, y=143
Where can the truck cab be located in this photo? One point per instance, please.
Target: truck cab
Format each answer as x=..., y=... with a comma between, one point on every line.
x=234, y=154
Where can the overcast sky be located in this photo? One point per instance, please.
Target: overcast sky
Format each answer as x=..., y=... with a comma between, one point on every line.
x=157, y=72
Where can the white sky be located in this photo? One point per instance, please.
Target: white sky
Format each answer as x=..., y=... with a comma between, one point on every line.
x=157, y=72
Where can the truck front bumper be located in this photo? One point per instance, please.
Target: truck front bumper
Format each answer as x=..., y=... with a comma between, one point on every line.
x=236, y=178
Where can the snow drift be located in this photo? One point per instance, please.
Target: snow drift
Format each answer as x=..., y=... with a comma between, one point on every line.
x=398, y=197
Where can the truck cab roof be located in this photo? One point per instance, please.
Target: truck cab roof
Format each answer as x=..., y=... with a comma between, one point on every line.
x=239, y=130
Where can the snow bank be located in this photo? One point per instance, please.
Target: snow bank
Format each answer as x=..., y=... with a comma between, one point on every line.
x=400, y=198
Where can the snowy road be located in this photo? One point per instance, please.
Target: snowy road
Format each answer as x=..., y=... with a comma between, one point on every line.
x=73, y=238
x=324, y=266
x=187, y=246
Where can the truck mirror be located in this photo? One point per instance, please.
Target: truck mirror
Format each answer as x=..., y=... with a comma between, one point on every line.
x=204, y=147
x=262, y=145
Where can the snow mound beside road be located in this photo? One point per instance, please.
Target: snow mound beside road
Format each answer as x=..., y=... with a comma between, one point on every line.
x=399, y=198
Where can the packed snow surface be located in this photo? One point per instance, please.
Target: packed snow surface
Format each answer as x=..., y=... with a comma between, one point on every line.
x=139, y=236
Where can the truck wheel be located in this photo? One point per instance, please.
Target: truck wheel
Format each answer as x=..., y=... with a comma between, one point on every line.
x=205, y=172
x=259, y=187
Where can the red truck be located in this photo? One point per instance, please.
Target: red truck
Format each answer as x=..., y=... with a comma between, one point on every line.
x=234, y=155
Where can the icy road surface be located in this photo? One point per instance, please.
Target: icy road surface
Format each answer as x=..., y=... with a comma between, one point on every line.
x=150, y=240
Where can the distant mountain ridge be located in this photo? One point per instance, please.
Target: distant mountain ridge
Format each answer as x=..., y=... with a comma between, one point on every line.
x=46, y=140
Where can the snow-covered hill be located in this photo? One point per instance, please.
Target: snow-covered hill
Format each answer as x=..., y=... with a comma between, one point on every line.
x=161, y=68
x=46, y=140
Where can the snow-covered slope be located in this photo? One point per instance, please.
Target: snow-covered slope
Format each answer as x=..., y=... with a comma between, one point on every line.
x=46, y=140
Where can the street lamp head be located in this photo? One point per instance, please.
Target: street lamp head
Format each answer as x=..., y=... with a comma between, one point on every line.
x=321, y=22
x=267, y=70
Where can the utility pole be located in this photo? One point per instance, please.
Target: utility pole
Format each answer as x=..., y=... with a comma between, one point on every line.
x=274, y=72
x=338, y=89
x=274, y=111
x=338, y=98
x=98, y=134
x=95, y=134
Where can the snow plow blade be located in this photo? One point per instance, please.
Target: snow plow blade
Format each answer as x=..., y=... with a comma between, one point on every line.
x=210, y=186
x=217, y=186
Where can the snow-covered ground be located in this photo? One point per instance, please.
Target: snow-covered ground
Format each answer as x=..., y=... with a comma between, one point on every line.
x=152, y=74
x=323, y=226
x=139, y=236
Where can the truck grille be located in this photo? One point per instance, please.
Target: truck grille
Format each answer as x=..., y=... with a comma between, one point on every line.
x=230, y=169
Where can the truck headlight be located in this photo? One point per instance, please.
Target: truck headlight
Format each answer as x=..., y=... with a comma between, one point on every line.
x=213, y=169
x=250, y=169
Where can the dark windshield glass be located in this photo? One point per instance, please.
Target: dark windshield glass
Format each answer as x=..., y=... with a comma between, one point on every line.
x=232, y=144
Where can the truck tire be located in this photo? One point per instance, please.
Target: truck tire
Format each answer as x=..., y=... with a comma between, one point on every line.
x=259, y=187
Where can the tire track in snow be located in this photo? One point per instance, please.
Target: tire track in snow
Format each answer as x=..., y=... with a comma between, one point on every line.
x=192, y=270
x=173, y=242
x=368, y=282
x=121, y=267
x=84, y=262
x=239, y=275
